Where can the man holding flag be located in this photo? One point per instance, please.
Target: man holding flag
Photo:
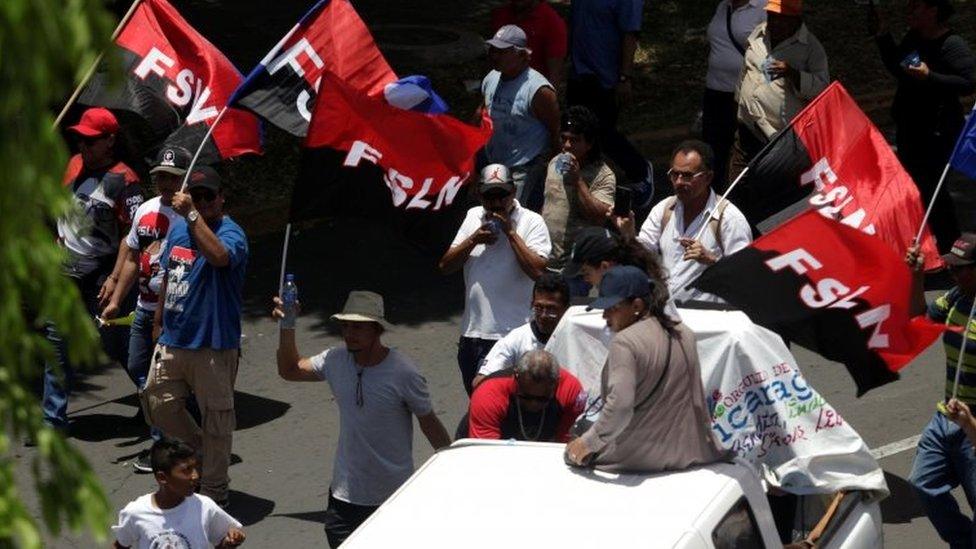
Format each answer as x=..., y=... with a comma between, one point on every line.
x=945, y=457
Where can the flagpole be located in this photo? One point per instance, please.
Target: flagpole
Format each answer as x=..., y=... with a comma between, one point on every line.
x=962, y=349
x=721, y=199
x=945, y=172
x=94, y=66
x=203, y=143
x=284, y=259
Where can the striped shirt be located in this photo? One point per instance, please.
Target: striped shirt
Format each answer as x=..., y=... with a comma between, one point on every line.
x=953, y=309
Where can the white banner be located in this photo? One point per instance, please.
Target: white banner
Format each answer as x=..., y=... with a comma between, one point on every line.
x=762, y=407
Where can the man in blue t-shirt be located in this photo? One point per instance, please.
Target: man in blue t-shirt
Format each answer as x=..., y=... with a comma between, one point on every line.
x=603, y=40
x=203, y=269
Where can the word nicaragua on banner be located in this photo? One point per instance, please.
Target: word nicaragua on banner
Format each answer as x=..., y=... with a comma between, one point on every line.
x=767, y=409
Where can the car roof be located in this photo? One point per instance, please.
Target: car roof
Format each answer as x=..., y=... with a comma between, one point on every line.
x=521, y=494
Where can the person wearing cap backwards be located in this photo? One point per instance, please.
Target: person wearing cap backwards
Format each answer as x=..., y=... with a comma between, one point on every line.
x=524, y=112
x=784, y=68
x=673, y=223
x=502, y=247
x=106, y=196
x=945, y=456
x=377, y=390
x=139, y=260
x=203, y=267
x=935, y=68
x=654, y=416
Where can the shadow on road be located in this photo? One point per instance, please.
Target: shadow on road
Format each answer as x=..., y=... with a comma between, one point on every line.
x=254, y=410
x=901, y=506
x=249, y=508
x=311, y=516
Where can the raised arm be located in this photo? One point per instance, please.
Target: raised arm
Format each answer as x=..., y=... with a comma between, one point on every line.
x=291, y=365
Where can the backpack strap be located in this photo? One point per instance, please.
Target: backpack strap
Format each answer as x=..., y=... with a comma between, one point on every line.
x=715, y=222
x=669, y=204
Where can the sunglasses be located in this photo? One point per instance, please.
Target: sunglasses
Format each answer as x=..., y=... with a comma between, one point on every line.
x=360, y=401
x=534, y=398
x=91, y=140
x=684, y=176
x=203, y=196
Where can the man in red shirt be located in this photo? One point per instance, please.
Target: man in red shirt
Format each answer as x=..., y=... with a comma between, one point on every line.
x=537, y=400
x=546, y=32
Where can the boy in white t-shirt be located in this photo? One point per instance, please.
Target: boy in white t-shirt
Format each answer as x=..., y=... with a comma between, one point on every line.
x=175, y=516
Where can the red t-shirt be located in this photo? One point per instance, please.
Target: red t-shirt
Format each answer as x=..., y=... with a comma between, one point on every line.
x=492, y=413
x=544, y=28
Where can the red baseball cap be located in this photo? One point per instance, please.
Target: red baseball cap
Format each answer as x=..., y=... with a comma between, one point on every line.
x=96, y=121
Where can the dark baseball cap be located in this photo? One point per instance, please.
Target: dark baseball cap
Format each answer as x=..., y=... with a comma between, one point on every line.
x=592, y=244
x=620, y=283
x=962, y=252
x=204, y=177
x=172, y=160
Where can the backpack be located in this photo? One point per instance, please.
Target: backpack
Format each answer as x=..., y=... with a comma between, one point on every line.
x=714, y=222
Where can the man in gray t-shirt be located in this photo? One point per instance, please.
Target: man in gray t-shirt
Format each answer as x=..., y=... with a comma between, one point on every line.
x=377, y=389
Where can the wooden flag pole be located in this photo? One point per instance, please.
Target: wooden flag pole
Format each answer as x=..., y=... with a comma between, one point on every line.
x=94, y=66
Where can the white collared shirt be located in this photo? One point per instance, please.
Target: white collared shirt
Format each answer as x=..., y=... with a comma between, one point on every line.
x=724, y=60
x=733, y=229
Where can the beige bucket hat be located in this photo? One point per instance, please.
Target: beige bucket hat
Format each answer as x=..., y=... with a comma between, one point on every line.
x=363, y=306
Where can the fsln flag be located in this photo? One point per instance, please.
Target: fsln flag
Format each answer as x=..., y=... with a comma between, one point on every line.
x=832, y=159
x=832, y=289
x=177, y=82
x=331, y=36
x=386, y=157
x=964, y=156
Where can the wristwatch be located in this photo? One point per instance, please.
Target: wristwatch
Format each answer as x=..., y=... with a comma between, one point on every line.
x=192, y=216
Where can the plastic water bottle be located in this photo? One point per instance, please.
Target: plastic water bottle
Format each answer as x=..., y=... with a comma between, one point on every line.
x=289, y=299
x=563, y=161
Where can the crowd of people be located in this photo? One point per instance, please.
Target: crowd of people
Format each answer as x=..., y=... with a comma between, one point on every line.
x=558, y=190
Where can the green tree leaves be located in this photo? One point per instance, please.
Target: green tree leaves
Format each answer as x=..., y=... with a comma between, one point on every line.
x=45, y=47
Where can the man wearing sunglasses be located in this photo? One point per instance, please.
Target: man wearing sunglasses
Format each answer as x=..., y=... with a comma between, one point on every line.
x=675, y=222
x=106, y=195
x=536, y=400
x=377, y=390
x=550, y=299
x=203, y=268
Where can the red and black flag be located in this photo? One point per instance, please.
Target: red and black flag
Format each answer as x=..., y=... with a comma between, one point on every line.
x=831, y=158
x=177, y=83
x=831, y=288
x=365, y=157
x=330, y=37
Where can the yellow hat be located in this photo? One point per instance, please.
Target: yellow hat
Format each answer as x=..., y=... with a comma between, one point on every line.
x=785, y=7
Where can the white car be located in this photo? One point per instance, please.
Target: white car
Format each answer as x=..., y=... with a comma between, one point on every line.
x=507, y=494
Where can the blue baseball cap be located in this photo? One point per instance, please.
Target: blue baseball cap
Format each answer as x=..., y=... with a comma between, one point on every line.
x=620, y=283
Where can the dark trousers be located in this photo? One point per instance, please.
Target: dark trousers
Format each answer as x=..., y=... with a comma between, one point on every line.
x=471, y=351
x=342, y=519
x=586, y=90
x=58, y=378
x=924, y=159
x=719, y=120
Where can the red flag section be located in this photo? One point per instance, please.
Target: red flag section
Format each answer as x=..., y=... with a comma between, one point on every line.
x=832, y=289
x=425, y=158
x=178, y=82
x=330, y=37
x=856, y=177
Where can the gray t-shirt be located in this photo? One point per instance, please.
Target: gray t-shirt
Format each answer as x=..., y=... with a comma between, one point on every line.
x=375, y=452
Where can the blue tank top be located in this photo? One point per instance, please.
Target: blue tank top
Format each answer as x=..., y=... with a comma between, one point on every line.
x=518, y=135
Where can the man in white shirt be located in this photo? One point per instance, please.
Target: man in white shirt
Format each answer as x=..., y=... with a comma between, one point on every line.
x=674, y=223
x=550, y=299
x=502, y=247
x=377, y=390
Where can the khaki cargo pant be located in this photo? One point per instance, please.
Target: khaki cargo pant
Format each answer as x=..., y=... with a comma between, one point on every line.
x=210, y=375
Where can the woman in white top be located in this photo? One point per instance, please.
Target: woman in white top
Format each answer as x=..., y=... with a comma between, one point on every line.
x=733, y=22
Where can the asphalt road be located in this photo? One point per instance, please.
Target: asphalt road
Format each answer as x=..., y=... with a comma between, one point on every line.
x=287, y=432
